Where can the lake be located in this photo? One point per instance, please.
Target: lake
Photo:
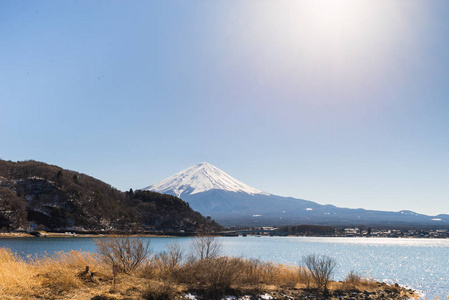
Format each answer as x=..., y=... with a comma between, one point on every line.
x=421, y=264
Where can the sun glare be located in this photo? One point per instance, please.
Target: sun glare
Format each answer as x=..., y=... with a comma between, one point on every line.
x=343, y=46
x=344, y=37
x=332, y=19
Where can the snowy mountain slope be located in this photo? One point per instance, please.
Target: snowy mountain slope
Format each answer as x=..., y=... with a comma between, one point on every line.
x=230, y=202
x=230, y=208
x=201, y=178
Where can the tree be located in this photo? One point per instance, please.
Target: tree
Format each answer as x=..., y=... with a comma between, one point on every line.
x=13, y=212
x=321, y=268
x=172, y=258
x=204, y=247
x=125, y=252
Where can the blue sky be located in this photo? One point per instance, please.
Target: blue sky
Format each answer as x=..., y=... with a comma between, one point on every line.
x=340, y=102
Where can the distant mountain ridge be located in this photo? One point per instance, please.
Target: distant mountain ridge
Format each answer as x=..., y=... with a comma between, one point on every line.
x=231, y=202
x=34, y=194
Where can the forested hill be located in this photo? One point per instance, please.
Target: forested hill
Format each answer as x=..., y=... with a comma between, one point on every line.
x=34, y=194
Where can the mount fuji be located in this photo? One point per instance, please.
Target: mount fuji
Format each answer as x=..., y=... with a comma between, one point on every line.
x=201, y=178
x=229, y=201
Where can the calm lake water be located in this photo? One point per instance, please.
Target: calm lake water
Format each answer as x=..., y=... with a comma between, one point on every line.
x=422, y=264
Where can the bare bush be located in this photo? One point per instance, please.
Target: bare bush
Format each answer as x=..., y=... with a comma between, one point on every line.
x=354, y=281
x=252, y=272
x=165, y=264
x=174, y=255
x=214, y=275
x=204, y=247
x=170, y=259
x=225, y=272
x=160, y=291
x=305, y=276
x=126, y=252
x=269, y=272
x=321, y=268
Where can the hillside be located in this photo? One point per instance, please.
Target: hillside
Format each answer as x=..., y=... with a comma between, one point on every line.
x=37, y=194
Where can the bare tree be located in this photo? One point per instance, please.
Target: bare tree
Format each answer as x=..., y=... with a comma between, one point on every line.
x=126, y=252
x=171, y=258
x=204, y=247
x=321, y=268
x=175, y=253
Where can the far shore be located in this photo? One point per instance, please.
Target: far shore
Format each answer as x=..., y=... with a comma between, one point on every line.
x=40, y=234
x=69, y=235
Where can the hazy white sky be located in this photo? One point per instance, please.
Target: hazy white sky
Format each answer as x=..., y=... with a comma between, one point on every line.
x=340, y=102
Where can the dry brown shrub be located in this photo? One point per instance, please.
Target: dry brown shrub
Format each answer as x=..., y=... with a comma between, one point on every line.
x=286, y=275
x=354, y=281
x=214, y=276
x=268, y=272
x=127, y=253
x=305, y=277
x=161, y=291
x=163, y=265
x=223, y=273
x=263, y=272
x=255, y=271
x=252, y=272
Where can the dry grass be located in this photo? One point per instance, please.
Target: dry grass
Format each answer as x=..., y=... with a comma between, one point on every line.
x=17, y=277
x=165, y=276
x=47, y=277
x=268, y=273
x=215, y=277
x=354, y=281
x=64, y=276
x=225, y=271
x=63, y=272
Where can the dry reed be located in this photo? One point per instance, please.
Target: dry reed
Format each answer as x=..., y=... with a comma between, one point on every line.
x=49, y=275
x=354, y=281
x=17, y=277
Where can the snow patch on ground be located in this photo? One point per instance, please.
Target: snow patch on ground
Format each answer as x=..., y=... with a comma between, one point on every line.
x=261, y=297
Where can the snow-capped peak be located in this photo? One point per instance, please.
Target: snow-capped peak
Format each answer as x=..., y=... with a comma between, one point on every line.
x=201, y=178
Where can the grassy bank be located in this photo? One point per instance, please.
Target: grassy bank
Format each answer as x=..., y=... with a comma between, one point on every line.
x=172, y=275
